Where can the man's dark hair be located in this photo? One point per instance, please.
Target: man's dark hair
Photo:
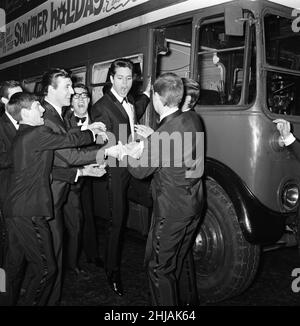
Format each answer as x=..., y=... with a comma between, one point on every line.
x=50, y=78
x=18, y=101
x=192, y=88
x=170, y=88
x=80, y=85
x=120, y=63
x=6, y=85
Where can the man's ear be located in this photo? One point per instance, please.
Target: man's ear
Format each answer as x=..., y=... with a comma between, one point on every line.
x=158, y=105
x=4, y=100
x=24, y=113
x=111, y=78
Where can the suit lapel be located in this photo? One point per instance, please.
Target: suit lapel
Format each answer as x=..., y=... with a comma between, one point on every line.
x=55, y=117
x=10, y=129
x=117, y=108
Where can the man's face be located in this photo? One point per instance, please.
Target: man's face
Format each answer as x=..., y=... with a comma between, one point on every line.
x=34, y=115
x=13, y=90
x=61, y=95
x=122, y=81
x=80, y=101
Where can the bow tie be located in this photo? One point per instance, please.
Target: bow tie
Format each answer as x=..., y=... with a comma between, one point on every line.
x=124, y=100
x=80, y=119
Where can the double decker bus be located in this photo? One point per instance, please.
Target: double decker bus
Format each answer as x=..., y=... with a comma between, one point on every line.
x=246, y=57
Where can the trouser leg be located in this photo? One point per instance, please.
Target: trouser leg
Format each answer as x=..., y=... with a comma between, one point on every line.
x=73, y=227
x=33, y=237
x=89, y=235
x=118, y=186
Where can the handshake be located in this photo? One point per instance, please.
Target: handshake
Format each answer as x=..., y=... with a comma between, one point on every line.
x=133, y=149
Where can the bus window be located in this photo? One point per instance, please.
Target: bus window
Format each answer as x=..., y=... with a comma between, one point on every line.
x=100, y=78
x=29, y=85
x=283, y=65
x=32, y=85
x=177, y=59
x=78, y=75
x=220, y=65
x=282, y=44
x=282, y=95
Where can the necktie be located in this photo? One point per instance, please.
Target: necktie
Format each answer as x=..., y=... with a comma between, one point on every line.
x=124, y=100
x=80, y=120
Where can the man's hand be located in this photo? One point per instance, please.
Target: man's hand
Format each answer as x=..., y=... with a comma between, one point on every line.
x=93, y=170
x=144, y=131
x=134, y=149
x=101, y=138
x=97, y=127
x=117, y=151
x=284, y=127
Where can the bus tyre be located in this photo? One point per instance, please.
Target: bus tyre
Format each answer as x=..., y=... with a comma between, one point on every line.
x=225, y=262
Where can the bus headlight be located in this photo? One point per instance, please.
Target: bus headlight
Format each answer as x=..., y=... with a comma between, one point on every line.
x=290, y=196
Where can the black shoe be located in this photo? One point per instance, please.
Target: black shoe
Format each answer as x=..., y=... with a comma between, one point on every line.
x=98, y=262
x=114, y=282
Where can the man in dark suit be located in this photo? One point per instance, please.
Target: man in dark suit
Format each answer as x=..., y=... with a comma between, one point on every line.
x=78, y=209
x=28, y=206
x=118, y=112
x=57, y=90
x=8, y=129
x=174, y=155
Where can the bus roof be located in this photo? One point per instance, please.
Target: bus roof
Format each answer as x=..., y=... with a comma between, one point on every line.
x=39, y=28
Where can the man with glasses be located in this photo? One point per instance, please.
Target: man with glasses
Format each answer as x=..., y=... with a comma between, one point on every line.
x=78, y=209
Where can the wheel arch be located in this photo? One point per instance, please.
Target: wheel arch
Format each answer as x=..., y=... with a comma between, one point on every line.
x=254, y=217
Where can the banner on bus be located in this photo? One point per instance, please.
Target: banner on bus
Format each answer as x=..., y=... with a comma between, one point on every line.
x=56, y=17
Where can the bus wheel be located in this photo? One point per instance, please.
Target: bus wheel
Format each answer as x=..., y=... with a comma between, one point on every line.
x=225, y=262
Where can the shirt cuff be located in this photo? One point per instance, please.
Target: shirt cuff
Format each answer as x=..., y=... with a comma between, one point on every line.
x=147, y=94
x=289, y=139
x=78, y=174
x=142, y=146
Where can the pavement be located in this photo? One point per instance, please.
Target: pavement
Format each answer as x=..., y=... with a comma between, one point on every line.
x=275, y=284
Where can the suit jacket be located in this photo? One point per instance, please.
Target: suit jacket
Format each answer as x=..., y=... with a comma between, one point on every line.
x=71, y=124
x=67, y=157
x=111, y=112
x=7, y=134
x=176, y=184
x=33, y=151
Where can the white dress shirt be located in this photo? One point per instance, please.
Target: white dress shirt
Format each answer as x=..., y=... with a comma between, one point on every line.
x=129, y=110
x=170, y=111
x=14, y=122
x=85, y=123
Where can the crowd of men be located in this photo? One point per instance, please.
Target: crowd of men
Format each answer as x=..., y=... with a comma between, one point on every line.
x=52, y=147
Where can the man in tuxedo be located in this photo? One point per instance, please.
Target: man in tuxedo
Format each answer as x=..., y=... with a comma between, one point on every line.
x=57, y=90
x=28, y=206
x=177, y=193
x=118, y=112
x=8, y=129
x=78, y=209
